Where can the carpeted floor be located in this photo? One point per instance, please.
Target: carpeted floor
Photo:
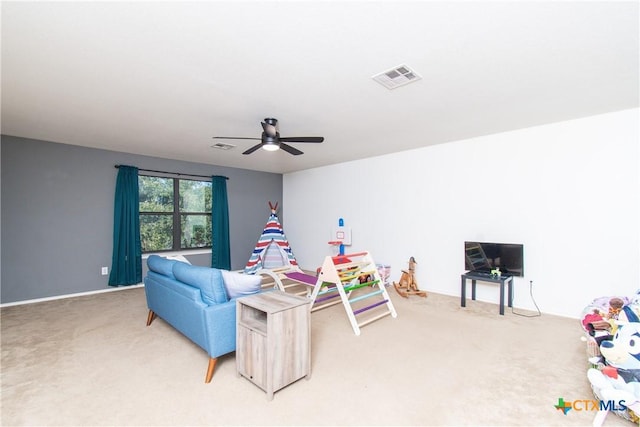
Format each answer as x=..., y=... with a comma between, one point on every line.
x=92, y=361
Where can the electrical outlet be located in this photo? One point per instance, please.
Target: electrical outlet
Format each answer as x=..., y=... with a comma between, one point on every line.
x=105, y=271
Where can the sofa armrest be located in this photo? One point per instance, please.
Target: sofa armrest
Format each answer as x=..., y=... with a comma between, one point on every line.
x=220, y=328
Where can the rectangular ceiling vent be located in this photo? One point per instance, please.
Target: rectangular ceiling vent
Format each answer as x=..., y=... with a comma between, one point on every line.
x=222, y=146
x=396, y=77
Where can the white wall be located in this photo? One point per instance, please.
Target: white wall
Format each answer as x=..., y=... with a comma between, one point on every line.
x=568, y=191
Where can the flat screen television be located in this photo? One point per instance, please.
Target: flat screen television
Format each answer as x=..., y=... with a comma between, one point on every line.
x=483, y=257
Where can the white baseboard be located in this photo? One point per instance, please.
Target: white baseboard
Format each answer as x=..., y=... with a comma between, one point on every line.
x=79, y=294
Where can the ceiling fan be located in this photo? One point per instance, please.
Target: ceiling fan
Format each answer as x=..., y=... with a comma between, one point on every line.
x=272, y=141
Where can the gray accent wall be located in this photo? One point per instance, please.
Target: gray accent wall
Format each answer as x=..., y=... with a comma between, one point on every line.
x=56, y=214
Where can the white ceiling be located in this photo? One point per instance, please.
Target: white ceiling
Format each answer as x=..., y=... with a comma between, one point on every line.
x=163, y=78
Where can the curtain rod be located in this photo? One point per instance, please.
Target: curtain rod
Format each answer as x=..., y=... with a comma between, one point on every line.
x=178, y=174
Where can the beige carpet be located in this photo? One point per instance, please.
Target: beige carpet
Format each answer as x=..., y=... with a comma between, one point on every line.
x=92, y=361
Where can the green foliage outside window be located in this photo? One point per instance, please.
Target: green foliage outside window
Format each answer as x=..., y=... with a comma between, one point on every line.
x=156, y=232
x=174, y=213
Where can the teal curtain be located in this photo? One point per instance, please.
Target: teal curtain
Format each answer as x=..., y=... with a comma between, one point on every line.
x=220, y=246
x=126, y=261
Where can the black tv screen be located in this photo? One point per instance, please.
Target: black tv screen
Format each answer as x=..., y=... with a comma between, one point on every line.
x=484, y=257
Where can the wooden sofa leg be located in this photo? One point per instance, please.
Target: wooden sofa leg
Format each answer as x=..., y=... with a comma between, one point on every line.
x=150, y=317
x=212, y=365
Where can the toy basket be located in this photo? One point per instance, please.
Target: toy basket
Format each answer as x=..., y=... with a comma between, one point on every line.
x=594, y=333
x=627, y=414
x=595, y=361
x=593, y=349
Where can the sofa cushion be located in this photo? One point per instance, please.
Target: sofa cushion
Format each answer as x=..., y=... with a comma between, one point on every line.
x=161, y=265
x=208, y=280
x=239, y=285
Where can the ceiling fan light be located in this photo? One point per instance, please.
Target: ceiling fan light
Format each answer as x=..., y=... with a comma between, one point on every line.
x=271, y=147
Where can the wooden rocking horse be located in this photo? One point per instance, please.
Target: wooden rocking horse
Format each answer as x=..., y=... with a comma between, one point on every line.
x=407, y=284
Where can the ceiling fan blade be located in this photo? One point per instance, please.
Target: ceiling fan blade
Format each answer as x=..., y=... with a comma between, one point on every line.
x=252, y=149
x=289, y=149
x=269, y=129
x=315, y=139
x=233, y=137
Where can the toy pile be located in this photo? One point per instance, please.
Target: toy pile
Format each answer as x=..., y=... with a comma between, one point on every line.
x=613, y=328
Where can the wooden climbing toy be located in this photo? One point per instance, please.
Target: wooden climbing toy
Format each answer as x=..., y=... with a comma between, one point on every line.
x=351, y=279
x=407, y=285
x=354, y=280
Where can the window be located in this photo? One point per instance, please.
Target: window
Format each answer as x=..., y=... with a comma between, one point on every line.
x=175, y=213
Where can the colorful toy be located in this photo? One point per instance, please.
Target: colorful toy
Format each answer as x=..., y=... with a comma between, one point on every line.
x=272, y=249
x=350, y=279
x=600, y=318
x=341, y=236
x=342, y=274
x=407, y=285
x=618, y=383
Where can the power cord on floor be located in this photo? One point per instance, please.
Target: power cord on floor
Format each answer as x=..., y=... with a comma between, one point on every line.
x=538, y=314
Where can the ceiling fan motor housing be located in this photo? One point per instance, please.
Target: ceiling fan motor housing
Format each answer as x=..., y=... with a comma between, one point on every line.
x=269, y=127
x=270, y=143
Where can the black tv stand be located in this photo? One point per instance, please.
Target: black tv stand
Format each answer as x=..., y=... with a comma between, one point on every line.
x=486, y=277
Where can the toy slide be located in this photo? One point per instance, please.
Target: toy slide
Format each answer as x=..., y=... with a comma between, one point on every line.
x=352, y=279
x=285, y=284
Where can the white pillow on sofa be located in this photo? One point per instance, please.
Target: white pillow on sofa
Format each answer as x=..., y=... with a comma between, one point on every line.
x=179, y=258
x=239, y=285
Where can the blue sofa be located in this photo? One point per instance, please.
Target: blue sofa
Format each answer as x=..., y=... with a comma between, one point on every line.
x=198, y=301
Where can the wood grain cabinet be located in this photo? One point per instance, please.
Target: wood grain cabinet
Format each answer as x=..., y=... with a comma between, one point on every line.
x=273, y=339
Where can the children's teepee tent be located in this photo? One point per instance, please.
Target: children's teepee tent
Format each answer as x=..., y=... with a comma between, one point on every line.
x=272, y=249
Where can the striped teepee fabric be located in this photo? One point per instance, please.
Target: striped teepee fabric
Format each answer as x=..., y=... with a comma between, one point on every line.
x=272, y=249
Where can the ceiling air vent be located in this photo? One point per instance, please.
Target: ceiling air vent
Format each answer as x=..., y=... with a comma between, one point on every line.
x=222, y=146
x=396, y=77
